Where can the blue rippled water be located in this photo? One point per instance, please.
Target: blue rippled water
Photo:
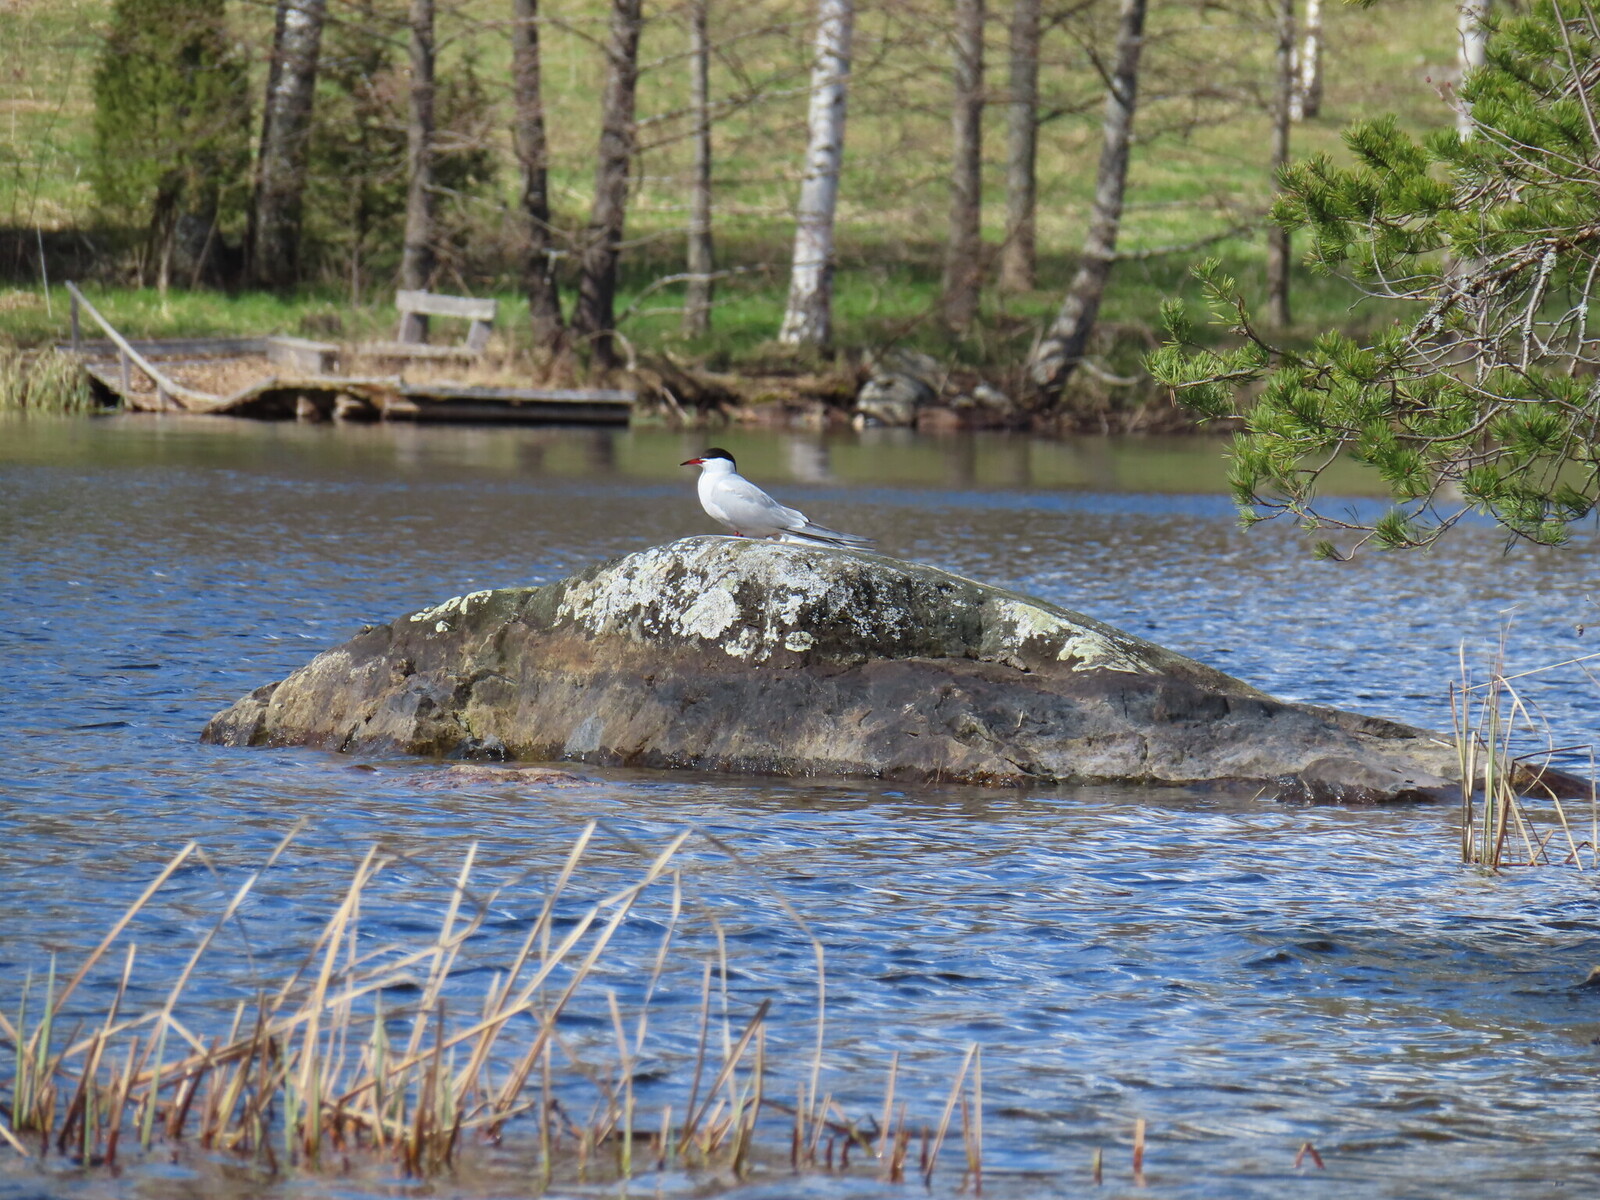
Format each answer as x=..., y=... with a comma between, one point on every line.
x=1243, y=976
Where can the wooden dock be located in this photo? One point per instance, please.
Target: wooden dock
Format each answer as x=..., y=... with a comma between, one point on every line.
x=286, y=378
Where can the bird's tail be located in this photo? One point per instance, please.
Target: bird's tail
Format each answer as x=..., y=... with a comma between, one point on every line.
x=821, y=534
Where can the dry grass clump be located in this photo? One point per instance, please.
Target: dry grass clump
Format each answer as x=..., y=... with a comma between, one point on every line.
x=370, y=1051
x=1498, y=828
x=43, y=381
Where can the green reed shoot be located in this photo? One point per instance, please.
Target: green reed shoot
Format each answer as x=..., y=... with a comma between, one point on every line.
x=43, y=381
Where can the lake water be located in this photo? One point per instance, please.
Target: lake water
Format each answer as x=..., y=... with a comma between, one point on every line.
x=1244, y=977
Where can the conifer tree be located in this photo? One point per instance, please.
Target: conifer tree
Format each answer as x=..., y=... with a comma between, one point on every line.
x=356, y=175
x=171, y=121
x=1487, y=397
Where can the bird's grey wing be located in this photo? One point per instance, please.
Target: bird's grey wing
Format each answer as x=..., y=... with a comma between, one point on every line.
x=748, y=506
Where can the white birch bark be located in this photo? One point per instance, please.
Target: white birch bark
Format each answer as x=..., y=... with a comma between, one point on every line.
x=1307, y=101
x=808, y=319
x=285, y=131
x=700, y=264
x=1469, y=28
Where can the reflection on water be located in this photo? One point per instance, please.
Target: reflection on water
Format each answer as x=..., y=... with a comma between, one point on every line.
x=1245, y=977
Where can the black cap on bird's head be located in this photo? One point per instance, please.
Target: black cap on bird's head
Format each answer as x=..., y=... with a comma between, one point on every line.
x=714, y=452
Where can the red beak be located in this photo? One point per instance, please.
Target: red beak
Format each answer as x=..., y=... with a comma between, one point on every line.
x=691, y=462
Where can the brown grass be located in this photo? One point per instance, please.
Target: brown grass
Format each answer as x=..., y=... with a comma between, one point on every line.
x=312, y=1075
x=1498, y=826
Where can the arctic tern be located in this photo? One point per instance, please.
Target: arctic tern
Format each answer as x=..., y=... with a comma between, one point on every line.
x=732, y=500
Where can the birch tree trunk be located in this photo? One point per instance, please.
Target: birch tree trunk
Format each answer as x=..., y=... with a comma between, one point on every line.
x=1018, y=255
x=1061, y=349
x=1277, y=235
x=533, y=158
x=594, y=317
x=808, y=318
x=963, y=267
x=701, y=262
x=274, y=234
x=1469, y=29
x=1308, y=69
x=416, y=261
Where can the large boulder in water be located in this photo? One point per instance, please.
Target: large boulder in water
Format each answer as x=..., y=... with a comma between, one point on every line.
x=735, y=655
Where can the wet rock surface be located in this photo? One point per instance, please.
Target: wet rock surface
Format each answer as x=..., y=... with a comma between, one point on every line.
x=736, y=655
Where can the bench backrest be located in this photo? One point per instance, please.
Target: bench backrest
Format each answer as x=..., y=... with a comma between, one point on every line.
x=480, y=312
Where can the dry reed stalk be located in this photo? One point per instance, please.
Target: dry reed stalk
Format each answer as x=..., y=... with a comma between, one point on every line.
x=888, y=1107
x=818, y=1117
x=1138, y=1152
x=758, y=1076
x=660, y=964
x=498, y=1001
x=313, y=1072
x=1485, y=717
x=1594, y=813
x=901, y=1149
x=728, y=1065
x=974, y=1147
x=624, y=1085
x=664, y=1139
x=930, y=1160
x=700, y=1052
x=11, y=1140
x=505, y=1105
x=165, y=874
x=797, y=1134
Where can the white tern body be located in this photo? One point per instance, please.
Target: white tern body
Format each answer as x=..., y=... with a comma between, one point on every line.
x=731, y=499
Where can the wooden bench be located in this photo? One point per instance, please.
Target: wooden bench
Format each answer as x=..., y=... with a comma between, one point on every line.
x=411, y=337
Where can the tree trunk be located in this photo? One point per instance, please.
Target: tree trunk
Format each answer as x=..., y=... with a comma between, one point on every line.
x=164, y=234
x=1018, y=256
x=1307, y=102
x=963, y=266
x=1277, y=235
x=808, y=318
x=594, y=318
x=697, y=297
x=533, y=157
x=1061, y=349
x=274, y=234
x=417, y=258
x=1469, y=28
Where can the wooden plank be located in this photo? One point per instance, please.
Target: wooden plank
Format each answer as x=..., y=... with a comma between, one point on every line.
x=413, y=350
x=437, y=305
x=163, y=348
x=166, y=364
x=113, y=377
x=512, y=395
x=405, y=408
